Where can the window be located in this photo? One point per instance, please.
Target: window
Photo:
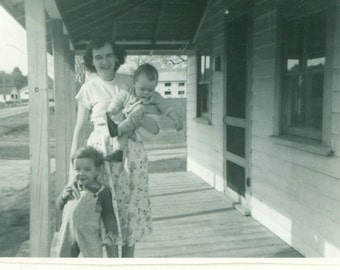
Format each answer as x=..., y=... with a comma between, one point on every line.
x=167, y=93
x=181, y=92
x=303, y=76
x=167, y=84
x=203, y=85
x=181, y=84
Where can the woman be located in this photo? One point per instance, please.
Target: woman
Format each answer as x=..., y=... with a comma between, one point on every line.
x=128, y=180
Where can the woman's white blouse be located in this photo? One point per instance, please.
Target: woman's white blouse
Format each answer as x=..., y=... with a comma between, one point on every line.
x=96, y=94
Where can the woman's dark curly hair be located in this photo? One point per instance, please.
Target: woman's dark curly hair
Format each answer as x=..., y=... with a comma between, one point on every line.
x=97, y=43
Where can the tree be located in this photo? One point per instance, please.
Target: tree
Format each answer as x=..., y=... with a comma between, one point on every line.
x=159, y=61
x=18, y=80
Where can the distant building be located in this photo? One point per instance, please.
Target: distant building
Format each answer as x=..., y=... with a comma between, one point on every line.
x=24, y=93
x=9, y=94
x=172, y=83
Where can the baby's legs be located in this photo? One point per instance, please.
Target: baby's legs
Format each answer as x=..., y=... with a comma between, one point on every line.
x=149, y=124
x=121, y=144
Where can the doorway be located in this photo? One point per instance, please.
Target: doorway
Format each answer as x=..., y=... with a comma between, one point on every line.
x=236, y=118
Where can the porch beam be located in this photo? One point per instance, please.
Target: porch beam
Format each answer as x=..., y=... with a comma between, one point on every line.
x=52, y=9
x=116, y=15
x=160, y=15
x=97, y=11
x=40, y=220
x=201, y=22
x=79, y=6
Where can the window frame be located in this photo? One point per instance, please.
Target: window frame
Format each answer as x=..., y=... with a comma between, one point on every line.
x=324, y=146
x=203, y=110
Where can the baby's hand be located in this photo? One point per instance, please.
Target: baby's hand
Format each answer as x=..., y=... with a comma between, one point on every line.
x=113, y=107
x=178, y=125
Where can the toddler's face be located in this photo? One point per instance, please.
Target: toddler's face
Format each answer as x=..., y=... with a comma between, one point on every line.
x=85, y=171
x=145, y=87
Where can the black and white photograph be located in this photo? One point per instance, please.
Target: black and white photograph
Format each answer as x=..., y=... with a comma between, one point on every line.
x=176, y=133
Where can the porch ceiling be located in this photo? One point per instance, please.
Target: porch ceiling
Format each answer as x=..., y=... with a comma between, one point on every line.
x=139, y=25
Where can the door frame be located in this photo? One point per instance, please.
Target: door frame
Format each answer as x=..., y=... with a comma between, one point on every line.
x=246, y=162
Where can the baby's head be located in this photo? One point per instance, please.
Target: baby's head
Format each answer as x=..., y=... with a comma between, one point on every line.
x=87, y=162
x=145, y=80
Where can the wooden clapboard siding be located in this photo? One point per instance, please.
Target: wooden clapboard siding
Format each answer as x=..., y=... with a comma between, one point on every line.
x=295, y=193
x=336, y=79
x=336, y=144
x=336, y=122
x=298, y=175
x=327, y=165
x=191, y=219
x=205, y=143
x=336, y=101
x=262, y=128
x=40, y=223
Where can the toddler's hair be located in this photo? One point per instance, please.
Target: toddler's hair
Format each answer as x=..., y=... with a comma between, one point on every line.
x=89, y=152
x=148, y=70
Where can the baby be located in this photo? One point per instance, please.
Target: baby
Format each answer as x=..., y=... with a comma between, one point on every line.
x=80, y=230
x=139, y=111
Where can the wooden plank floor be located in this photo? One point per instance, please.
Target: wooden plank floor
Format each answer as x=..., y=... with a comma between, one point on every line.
x=191, y=219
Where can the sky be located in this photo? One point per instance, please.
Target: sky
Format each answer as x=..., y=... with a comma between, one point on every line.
x=13, y=45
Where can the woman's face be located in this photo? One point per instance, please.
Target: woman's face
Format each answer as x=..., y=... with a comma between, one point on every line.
x=104, y=62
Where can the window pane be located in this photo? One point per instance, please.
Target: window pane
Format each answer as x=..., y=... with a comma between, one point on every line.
x=315, y=41
x=236, y=140
x=236, y=178
x=302, y=93
x=294, y=45
x=202, y=99
x=314, y=82
x=202, y=77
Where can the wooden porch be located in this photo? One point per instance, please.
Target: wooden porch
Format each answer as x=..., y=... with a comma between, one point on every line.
x=191, y=219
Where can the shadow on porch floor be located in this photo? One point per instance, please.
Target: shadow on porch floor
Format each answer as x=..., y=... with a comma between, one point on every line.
x=191, y=219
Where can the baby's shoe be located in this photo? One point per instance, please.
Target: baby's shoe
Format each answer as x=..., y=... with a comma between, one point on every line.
x=115, y=156
x=112, y=126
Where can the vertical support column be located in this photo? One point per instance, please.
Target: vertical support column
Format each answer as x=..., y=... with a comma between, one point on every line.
x=40, y=224
x=70, y=89
x=60, y=89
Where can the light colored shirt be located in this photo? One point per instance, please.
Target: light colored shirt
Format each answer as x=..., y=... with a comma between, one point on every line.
x=96, y=94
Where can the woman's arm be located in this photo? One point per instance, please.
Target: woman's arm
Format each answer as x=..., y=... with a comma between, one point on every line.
x=79, y=134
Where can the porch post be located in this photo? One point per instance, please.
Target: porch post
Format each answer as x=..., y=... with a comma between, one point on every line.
x=70, y=92
x=61, y=117
x=40, y=225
